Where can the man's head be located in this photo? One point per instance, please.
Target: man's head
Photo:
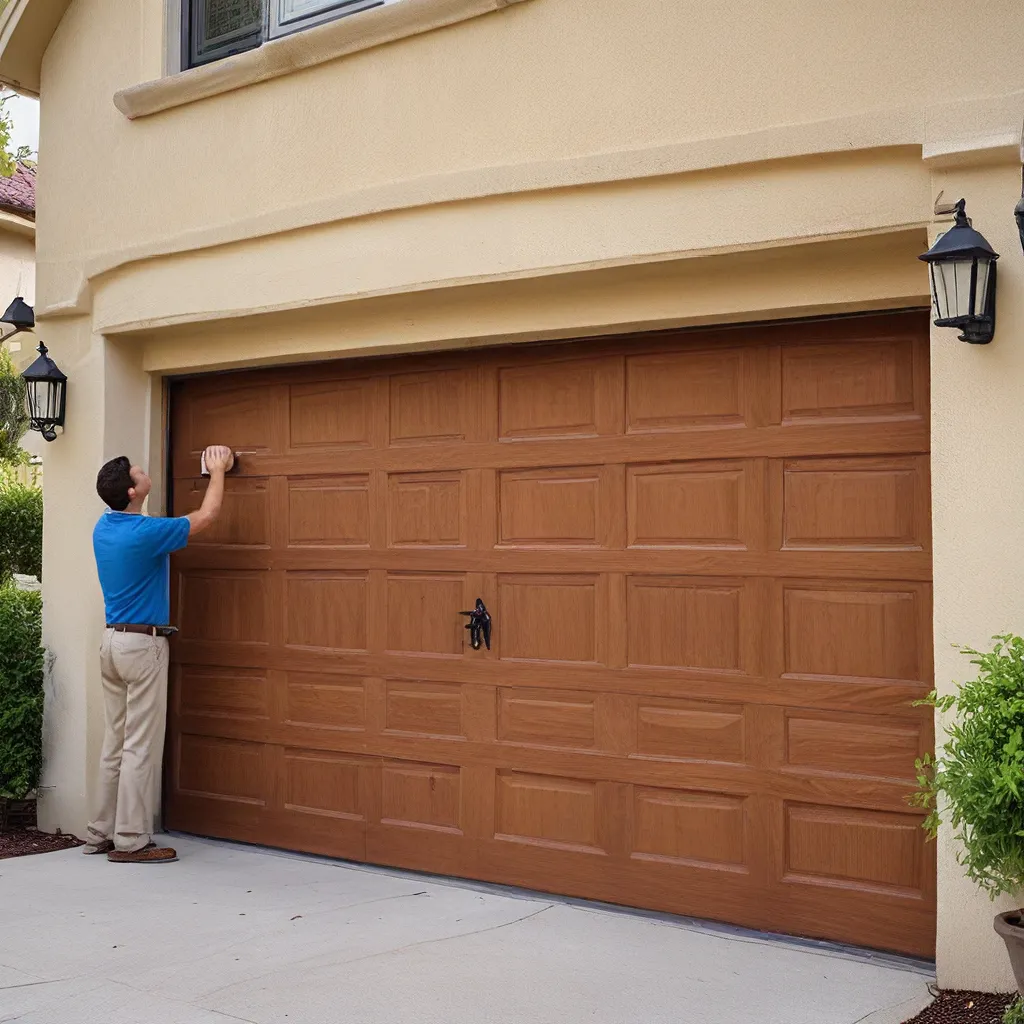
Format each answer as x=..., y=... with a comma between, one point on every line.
x=121, y=484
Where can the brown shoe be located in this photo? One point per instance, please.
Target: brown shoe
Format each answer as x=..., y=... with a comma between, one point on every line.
x=105, y=847
x=151, y=854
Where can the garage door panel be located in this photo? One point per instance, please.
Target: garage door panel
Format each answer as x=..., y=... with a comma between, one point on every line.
x=331, y=414
x=232, y=692
x=560, y=399
x=697, y=505
x=856, y=503
x=870, y=747
x=428, y=510
x=548, y=811
x=854, y=848
x=245, y=513
x=419, y=795
x=561, y=507
x=430, y=407
x=690, y=731
x=865, y=380
x=718, y=392
x=247, y=823
x=697, y=624
x=329, y=511
x=233, y=771
x=327, y=610
x=418, y=708
x=707, y=561
x=325, y=701
x=241, y=418
x=222, y=606
x=548, y=718
x=695, y=829
x=856, y=630
x=423, y=613
x=549, y=618
x=317, y=782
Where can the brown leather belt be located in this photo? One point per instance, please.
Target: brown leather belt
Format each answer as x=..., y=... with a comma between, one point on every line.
x=131, y=627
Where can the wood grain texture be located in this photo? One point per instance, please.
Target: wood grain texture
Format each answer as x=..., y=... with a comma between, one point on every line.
x=708, y=560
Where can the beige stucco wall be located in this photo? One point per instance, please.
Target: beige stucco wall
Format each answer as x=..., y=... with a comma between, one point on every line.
x=977, y=497
x=561, y=168
x=17, y=264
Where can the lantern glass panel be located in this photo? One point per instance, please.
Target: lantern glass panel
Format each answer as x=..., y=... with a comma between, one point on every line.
x=984, y=281
x=33, y=400
x=952, y=288
x=43, y=400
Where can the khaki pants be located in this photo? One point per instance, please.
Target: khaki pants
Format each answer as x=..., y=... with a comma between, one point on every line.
x=134, y=667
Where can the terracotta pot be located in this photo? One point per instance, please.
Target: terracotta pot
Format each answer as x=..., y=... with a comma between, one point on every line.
x=1011, y=927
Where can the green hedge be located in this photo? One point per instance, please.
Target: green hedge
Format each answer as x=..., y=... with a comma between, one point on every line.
x=21, y=691
x=21, y=528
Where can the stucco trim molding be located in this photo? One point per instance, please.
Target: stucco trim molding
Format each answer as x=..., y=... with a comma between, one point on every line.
x=302, y=50
x=973, y=152
x=17, y=225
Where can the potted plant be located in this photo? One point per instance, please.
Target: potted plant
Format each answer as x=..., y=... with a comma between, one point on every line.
x=976, y=782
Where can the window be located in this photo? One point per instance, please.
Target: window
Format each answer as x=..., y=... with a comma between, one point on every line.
x=212, y=29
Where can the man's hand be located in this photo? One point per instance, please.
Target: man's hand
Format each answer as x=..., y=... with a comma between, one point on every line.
x=219, y=459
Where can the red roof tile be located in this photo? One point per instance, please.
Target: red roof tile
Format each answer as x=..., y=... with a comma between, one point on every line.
x=18, y=193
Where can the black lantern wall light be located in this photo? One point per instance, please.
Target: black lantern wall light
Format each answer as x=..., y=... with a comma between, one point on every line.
x=963, y=279
x=1018, y=210
x=45, y=384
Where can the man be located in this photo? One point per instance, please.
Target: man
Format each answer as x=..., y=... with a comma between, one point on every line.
x=133, y=559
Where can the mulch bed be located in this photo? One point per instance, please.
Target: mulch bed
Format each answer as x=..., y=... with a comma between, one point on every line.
x=23, y=842
x=965, y=1008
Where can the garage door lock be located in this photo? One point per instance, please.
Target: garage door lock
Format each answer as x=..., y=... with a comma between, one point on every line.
x=479, y=626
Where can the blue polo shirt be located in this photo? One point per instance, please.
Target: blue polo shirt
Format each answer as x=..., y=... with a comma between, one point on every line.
x=132, y=558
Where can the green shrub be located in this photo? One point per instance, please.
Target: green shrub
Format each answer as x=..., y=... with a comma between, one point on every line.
x=21, y=527
x=13, y=419
x=21, y=691
x=979, y=775
x=1014, y=1013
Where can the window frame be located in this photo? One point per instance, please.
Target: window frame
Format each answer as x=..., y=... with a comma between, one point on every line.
x=279, y=24
x=280, y=18
x=192, y=53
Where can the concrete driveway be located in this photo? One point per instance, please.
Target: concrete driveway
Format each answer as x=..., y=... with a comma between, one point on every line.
x=233, y=933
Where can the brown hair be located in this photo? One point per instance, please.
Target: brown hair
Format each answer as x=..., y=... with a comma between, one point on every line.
x=114, y=481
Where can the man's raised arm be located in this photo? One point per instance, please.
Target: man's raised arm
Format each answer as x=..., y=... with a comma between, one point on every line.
x=218, y=461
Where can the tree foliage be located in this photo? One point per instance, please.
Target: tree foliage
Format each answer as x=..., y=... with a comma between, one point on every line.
x=9, y=158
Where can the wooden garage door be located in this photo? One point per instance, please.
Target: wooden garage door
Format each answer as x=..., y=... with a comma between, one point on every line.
x=707, y=559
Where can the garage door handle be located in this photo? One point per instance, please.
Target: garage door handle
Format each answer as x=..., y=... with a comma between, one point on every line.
x=479, y=625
